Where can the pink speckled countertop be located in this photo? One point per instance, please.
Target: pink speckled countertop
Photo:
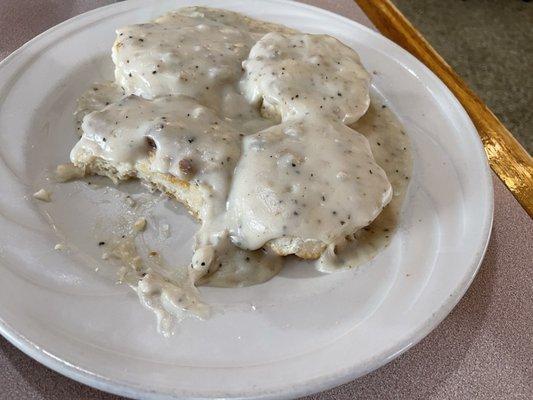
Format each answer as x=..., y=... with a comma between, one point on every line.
x=482, y=350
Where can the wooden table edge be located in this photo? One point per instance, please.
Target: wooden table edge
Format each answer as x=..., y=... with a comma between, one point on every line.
x=507, y=158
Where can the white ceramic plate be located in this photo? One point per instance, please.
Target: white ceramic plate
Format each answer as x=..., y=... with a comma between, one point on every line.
x=299, y=333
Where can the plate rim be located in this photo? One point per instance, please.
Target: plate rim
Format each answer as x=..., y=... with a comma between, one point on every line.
x=312, y=386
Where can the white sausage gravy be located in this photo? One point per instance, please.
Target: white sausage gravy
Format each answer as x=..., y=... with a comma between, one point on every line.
x=269, y=136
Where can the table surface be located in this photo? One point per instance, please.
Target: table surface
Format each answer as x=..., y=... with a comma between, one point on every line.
x=482, y=350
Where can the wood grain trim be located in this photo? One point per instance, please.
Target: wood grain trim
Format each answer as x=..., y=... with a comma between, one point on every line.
x=507, y=158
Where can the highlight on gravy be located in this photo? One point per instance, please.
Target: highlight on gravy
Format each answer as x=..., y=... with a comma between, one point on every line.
x=268, y=136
